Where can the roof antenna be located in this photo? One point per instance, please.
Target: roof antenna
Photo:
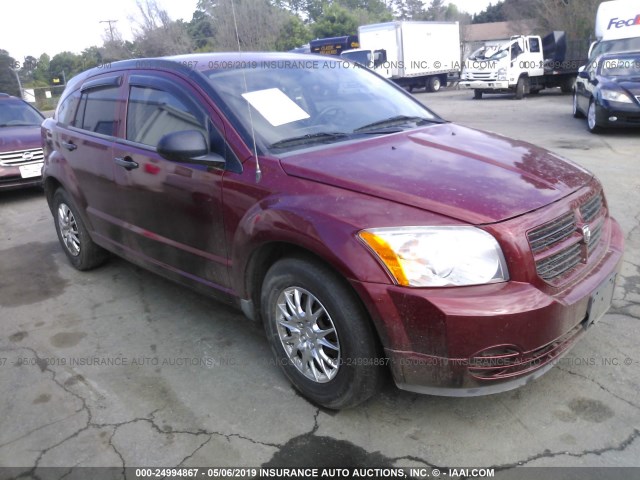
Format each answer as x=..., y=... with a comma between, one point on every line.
x=246, y=90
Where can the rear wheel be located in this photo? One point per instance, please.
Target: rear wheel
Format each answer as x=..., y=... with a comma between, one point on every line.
x=320, y=334
x=592, y=118
x=76, y=243
x=434, y=84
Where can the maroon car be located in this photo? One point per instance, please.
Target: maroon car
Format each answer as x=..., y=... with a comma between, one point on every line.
x=365, y=232
x=20, y=144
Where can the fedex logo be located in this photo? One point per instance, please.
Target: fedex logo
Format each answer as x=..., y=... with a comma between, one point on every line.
x=614, y=22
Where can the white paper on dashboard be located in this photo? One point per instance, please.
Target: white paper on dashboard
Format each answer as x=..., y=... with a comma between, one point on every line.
x=275, y=106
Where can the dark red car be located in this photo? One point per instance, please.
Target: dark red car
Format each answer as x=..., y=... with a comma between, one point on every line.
x=20, y=144
x=364, y=231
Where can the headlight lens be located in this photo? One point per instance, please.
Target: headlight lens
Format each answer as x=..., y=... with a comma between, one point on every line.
x=502, y=74
x=438, y=256
x=615, y=96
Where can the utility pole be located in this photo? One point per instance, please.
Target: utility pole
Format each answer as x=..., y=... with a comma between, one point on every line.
x=110, y=27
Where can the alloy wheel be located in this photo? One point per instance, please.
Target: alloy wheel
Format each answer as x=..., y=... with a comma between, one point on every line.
x=69, y=229
x=307, y=334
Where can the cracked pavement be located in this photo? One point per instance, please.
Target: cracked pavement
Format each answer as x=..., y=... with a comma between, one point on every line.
x=118, y=367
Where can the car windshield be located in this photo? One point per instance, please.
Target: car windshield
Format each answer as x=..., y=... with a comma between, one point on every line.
x=18, y=114
x=314, y=101
x=485, y=52
x=621, y=67
x=615, y=46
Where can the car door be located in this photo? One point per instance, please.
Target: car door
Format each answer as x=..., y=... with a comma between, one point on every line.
x=170, y=214
x=87, y=127
x=585, y=88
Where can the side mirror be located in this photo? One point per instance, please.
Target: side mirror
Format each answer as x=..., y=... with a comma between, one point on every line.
x=582, y=73
x=188, y=146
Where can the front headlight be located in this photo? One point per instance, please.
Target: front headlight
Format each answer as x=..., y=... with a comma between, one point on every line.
x=438, y=256
x=615, y=96
x=502, y=74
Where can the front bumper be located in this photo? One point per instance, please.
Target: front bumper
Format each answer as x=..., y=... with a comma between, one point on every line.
x=626, y=115
x=484, y=85
x=485, y=339
x=11, y=178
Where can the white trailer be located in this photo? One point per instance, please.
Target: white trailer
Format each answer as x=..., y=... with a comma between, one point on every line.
x=412, y=54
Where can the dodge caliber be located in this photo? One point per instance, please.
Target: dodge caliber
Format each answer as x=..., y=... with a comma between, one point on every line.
x=365, y=232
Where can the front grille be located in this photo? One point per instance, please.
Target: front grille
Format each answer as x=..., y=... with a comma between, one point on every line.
x=552, y=232
x=595, y=237
x=480, y=76
x=21, y=157
x=556, y=265
x=591, y=208
x=559, y=245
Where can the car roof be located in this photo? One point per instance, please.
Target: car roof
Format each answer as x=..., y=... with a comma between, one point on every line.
x=201, y=61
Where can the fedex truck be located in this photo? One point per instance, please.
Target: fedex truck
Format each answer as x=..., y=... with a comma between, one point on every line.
x=412, y=54
x=617, y=28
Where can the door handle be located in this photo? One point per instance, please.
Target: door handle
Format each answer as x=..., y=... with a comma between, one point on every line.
x=69, y=146
x=126, y=162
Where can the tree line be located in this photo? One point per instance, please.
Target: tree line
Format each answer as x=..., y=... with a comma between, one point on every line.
x=275, y=25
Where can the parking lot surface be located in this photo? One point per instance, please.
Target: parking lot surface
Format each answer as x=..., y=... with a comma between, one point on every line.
x=119, y=367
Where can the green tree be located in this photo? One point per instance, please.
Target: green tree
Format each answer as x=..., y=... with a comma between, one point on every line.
x=493, y=13
x=335, y=21
x=437, y=11
x=65, y=65
x=201, y=30
x=41, y=76
x=8, y=75
x=294, y=33
x=409, y=9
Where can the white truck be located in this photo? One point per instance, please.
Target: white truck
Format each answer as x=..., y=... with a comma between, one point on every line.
x=617, y=28
x=412, y=54
x=525, y=64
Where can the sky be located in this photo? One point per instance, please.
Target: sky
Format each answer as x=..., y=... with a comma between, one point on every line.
x=33, y=27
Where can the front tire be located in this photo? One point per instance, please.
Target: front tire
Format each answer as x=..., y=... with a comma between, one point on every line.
x=477, y=94
x=592, y=118
x=76, y=243
x=520, y=88
x=320, y=334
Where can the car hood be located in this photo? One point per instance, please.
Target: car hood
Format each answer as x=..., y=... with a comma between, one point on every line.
x=466, y=174
x=19, y=138
x=630, y=84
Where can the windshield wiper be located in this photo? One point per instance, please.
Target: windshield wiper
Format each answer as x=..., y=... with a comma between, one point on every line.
x=397, y=120
x=308, y=139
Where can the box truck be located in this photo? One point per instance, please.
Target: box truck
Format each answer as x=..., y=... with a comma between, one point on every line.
x=617, y=28
x=412, y=54
x=525, y=64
